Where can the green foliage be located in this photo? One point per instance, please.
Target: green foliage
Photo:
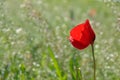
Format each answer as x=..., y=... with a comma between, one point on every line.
x=34, y=41
x=56, y=65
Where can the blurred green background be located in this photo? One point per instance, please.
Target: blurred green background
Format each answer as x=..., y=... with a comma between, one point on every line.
x=34, y=41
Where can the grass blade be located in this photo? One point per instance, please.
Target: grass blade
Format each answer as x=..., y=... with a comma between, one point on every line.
x=56, y=65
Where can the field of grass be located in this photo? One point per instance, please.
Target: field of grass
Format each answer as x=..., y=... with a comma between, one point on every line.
x=34, y=41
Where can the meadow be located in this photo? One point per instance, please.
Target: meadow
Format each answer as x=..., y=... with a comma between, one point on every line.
x=34, y=42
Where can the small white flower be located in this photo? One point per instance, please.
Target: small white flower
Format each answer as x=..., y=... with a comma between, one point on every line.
x=18, y=30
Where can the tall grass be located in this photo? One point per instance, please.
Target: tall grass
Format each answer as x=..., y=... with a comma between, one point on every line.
x=34, y=41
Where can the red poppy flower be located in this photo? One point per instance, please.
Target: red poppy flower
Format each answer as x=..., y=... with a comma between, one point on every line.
x=82, y=35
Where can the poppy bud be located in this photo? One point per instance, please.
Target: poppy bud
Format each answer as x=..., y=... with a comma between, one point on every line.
x=82, y=35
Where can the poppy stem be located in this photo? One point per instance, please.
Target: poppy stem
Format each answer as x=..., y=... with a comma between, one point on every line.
x=94, y=61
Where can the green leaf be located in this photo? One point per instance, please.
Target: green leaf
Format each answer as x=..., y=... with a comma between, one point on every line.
x=56, y=65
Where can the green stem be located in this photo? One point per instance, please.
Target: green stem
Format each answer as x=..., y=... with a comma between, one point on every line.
x=78, y=74
x=94, y=61
x=81, y=75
